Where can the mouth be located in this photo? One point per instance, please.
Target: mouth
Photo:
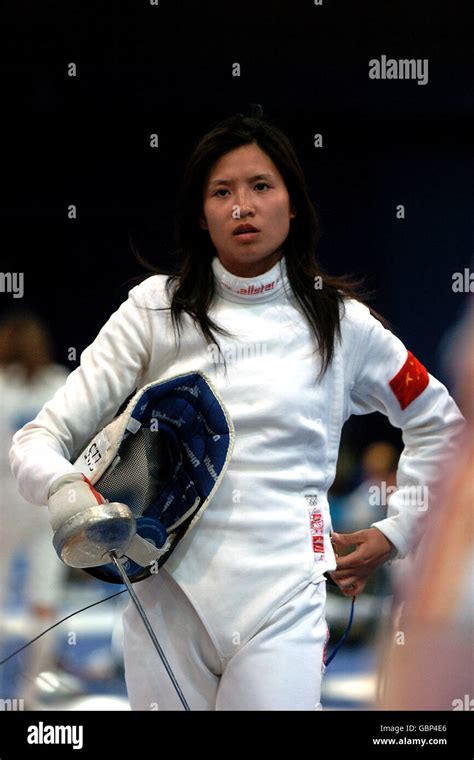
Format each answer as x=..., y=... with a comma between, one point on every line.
x=241, y=229
x=245, y=232
x=246, y=235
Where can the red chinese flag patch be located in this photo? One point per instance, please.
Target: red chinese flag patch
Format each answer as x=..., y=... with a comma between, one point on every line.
x=410, y=381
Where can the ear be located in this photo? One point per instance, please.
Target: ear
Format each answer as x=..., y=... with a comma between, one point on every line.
x=293, y=213
x=202, y=222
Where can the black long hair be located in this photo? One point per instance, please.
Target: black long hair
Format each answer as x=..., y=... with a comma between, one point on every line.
x=191, y=289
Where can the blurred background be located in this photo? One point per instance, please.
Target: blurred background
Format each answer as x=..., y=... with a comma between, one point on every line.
x=85, y=140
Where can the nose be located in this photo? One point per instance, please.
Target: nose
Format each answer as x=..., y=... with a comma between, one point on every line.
x=245, y=205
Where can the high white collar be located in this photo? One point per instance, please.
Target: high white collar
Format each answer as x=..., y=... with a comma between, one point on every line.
x=263, y=287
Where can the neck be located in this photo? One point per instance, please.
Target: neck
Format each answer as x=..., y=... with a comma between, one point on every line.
x=262, y=287
x=252, y=268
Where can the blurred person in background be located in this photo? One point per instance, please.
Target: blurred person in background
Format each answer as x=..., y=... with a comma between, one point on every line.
x=426, y=658
x=28, y=378
x=369, y=500
x=342, y=485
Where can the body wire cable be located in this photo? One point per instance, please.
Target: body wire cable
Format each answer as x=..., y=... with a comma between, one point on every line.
x=106, y=599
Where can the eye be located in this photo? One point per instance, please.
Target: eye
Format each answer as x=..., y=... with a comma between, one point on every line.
x=224, y=190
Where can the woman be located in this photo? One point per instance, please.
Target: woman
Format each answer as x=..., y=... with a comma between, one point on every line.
x=239, y=607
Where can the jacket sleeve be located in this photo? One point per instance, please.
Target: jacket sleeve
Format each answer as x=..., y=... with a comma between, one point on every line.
x=389, y=379
x=92, y=394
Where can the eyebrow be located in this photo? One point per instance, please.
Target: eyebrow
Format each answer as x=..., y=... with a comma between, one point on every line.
x=250, y=179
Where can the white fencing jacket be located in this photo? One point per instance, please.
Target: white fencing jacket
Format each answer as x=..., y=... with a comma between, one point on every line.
x=266, y=532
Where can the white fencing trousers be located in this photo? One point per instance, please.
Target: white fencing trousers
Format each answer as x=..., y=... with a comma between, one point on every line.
x=279, y=668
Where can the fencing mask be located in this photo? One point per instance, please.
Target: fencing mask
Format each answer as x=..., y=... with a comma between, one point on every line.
x=164, y=457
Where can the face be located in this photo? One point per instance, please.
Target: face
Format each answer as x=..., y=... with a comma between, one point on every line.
x=235, y=194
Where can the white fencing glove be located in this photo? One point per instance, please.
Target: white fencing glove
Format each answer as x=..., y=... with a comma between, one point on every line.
x=74, y=493
x=69, y=495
